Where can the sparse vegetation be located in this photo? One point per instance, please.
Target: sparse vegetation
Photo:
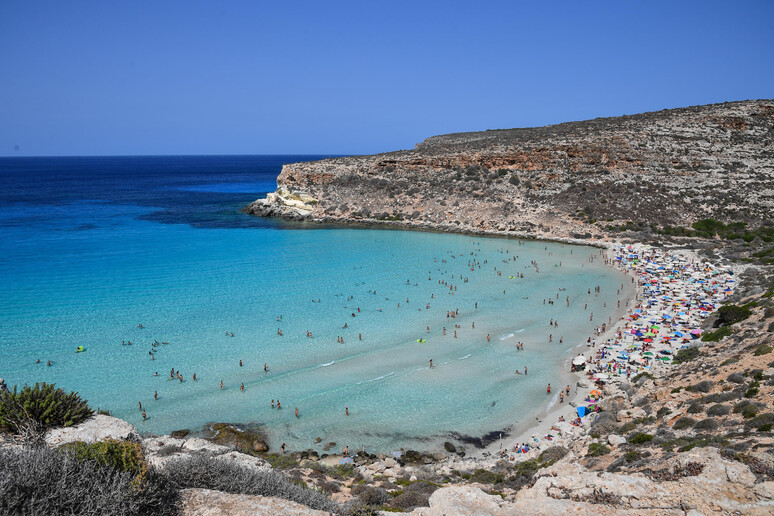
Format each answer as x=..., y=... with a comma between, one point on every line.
x=31, y=411
x=686, y=355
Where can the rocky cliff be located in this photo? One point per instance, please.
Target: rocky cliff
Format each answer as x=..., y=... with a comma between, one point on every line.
x=578, y=179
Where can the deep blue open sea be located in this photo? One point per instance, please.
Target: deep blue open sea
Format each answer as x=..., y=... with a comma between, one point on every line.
x=94, y=247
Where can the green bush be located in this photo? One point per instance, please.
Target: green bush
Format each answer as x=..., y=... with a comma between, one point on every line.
x=749, y=411
x=641, y=438
x=715, y=336
x=33, y=410
x=751, y=392
x=686, y=355
x=124, y=456
x=763, y=350
x=598, y=449
x=730, y=314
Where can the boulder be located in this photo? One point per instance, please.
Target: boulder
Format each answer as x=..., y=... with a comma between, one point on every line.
x=449, y=447
x=260, y=446
x=616, y=440
x=97, y=428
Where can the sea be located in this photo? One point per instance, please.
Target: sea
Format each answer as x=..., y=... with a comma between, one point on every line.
x=148, y=265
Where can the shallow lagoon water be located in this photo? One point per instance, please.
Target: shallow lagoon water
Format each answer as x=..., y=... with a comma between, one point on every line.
x=172, y=253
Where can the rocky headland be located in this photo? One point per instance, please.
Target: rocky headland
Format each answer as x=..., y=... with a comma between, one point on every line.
x=629, y=175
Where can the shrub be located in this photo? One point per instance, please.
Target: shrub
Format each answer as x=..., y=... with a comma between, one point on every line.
x=483, y=476
x=33, y=410
x=201, y=471
x=758, y=421
x=717, y=335
x=44, y=481
x=730, y=314
x=410, y=500
x=704, y=386
x=598, y=449
x=706, y=424
x=552, y=454
x=751, y=392
x=373, y=496
x=683, y=423
x=749, y=411
x=641, y=438
x=763, y=349
x=766, y=427
x=718, y=410
x=686, y=355
x=124, y=456
x=695, y=408
x=736, y=378
x=632, y=456
x=644, y=374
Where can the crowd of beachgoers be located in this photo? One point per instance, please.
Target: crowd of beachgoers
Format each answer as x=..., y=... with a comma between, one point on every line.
x=675, y=292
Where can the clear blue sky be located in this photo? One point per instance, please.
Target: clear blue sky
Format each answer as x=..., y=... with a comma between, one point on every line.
x=256, y=77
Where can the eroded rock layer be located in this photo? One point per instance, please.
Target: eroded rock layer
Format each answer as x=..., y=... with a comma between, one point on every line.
x=577, y=179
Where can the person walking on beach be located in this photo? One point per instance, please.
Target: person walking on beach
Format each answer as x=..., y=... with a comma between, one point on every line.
x=548, y=389
x=525, y=370
x=283, y=448
x=431, y=363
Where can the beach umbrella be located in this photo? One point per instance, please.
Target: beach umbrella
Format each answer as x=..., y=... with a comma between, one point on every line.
x=346, y=460
x=582, y=411
x=647, y=340
x=648, y=354
x=678, y=334
x=696, y=331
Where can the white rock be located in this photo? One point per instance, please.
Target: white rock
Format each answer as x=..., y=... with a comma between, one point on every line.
x=97, y=428
x=616, y=440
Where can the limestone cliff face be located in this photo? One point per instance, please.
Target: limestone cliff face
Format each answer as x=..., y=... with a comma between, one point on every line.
x=670, y=167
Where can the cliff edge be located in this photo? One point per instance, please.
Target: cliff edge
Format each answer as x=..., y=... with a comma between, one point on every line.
x=584, y=179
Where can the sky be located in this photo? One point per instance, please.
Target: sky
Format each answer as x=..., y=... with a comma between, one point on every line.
x=331, y=77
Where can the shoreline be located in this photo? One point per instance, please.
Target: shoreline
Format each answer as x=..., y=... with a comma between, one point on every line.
x=529, y=429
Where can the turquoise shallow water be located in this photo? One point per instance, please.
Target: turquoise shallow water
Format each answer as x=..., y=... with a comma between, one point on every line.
x=89, y=271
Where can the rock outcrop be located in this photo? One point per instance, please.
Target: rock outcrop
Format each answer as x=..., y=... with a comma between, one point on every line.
x=723, y=486
x=578, y=179
x=204, y=502
x=97, y=428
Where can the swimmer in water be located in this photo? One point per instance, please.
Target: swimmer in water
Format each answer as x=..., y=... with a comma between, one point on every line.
x=431, y=363
x=221, y=384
